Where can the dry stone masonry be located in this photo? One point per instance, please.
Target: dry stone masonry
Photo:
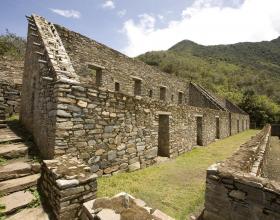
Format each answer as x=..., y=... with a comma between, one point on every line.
x=236, y=188
x=117, y=114
x=66, y=184
x=10, y=86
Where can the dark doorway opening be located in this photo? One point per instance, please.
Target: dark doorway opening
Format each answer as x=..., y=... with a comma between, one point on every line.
x=162, y=93
x=180, y=98
x=230, y=132
x=217, y=128
x=137, y=87
x=238, y=126
x=98, y=78
x=199, y=131
x=117, y=86
x=163, y=136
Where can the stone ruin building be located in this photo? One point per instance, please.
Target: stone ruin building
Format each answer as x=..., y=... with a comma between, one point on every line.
x=93, y=111
x=116, y=113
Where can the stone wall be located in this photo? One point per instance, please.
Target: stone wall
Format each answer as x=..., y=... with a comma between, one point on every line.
x=235, y=189
x=66, y=183
x=118, y=68
x=38, y=95
x=113, y=131
x=9, y=98
x=11, y=71
x=239, y=123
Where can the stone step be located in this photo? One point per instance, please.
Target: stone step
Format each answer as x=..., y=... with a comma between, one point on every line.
x=7, y=135
x=30, y=214
x=9, y=139
x=10, y=151
x=15, y=170
x=16, y=201
x=3, y=125
x=18, y=184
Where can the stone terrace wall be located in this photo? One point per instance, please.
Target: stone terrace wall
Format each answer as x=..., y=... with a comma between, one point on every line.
x=113, y=131
x=235, y=189
x=66, y=184
x=118, y=68
x=10, y=86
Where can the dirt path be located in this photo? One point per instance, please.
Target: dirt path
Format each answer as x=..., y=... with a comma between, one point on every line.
x=273, y=162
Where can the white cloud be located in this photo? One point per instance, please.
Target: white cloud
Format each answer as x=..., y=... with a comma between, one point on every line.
x=108, y=4
x=67, y=13
x=160, y=17
x=122, y=13
x=207, y=22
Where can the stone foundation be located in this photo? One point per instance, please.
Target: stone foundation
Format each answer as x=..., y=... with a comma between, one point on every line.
x=67, y=183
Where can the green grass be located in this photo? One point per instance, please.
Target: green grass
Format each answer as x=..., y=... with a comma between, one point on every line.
x=177, y=186
x=2, y=161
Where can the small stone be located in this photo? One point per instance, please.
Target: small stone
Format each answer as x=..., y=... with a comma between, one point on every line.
x=112, y=155
x=63, y=184
x=106, y=214
x=237, y=194
x=108, y=129
x=121, y=147
x=134, y=166
x=159, y=214
x=151, y=153
x=99, y=152
x=82, y=104
x=140, y=202
x=63, y=114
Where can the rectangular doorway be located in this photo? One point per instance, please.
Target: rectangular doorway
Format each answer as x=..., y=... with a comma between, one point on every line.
x=163, y=136
x=238, y=126
x=199, y=131
x=217, y=128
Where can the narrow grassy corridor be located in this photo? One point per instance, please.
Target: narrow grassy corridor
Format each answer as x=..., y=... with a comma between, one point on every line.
x=177, y=186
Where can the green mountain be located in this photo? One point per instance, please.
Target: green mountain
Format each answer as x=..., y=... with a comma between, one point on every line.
x=234, y=71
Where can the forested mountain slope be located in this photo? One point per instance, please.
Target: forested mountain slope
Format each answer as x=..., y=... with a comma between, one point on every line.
x=242, y=72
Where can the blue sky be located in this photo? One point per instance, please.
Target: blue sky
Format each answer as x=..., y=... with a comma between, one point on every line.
x=137, y=26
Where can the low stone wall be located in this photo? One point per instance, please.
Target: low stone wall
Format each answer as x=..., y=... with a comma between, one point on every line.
x=235, y=189
x=9, y=98
x=66, y=183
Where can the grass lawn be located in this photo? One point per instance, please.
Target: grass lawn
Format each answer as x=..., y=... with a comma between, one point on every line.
x=177, y=186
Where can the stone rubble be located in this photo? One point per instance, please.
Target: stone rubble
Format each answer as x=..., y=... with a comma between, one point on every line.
x=121, y=206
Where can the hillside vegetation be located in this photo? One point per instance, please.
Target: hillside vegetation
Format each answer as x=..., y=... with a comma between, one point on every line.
x=12, y=46
x=246, y=73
